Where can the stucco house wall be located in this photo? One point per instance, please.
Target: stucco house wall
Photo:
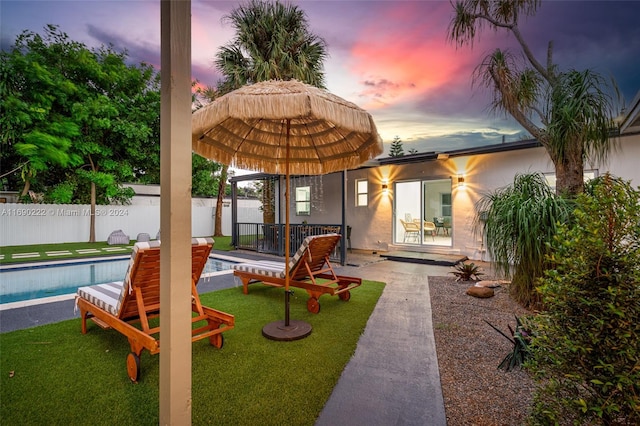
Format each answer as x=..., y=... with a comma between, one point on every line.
x=373, y=225
x=625, y=161
x=326, y=199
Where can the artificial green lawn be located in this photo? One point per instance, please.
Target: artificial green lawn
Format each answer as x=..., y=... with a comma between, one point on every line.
x=221, y=243
x=55, y=375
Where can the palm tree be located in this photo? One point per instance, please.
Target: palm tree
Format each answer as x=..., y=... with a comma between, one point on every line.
x=573, y=108
x=272, y=41
x=579, y=127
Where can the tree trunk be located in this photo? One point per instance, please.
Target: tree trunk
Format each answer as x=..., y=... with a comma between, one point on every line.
x=92, y=226
x=268, y=203
x=569, y=171
x=217, y=227
x=25, y=190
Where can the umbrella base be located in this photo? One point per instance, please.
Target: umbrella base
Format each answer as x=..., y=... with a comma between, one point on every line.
x=277, y=330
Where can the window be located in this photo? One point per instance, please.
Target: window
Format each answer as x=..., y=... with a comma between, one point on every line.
x=445, y=204
x=303, y=201
x=587, y=176
x=362, y=192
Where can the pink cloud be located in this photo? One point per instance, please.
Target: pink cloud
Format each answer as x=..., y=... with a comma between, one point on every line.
x=404, y=55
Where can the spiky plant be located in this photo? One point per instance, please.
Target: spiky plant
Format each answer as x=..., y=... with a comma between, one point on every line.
x=518, y=222
x=467, y=271
x=520, y=338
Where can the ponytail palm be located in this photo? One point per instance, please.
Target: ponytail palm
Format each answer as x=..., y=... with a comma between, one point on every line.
x=579, y=126
x=519, y=222
x=570, y=113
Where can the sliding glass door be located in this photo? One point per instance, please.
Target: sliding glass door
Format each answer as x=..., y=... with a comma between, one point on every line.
x=423, y=212
x=407, y=213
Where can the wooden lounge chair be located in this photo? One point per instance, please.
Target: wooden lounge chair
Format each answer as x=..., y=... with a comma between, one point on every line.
x=129, y=305
x=309, y=269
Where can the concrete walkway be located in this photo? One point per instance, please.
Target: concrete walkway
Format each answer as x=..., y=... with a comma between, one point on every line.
x=393, y=377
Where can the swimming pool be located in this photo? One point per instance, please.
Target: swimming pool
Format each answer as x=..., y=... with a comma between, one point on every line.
x=20, y=283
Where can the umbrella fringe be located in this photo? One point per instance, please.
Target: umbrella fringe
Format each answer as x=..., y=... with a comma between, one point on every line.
x=246, y=128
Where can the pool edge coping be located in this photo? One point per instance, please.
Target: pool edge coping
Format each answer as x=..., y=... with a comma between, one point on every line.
x=63, y=297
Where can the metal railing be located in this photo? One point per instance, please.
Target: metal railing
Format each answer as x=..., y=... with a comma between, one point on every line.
x=268, y=237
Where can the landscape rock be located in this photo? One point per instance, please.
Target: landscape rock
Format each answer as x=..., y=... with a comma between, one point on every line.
x=489, y=283
x=480, y=292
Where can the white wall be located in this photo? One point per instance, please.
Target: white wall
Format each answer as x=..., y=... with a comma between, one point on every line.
x=22, y=224
x=248, y=212
x=373, y=225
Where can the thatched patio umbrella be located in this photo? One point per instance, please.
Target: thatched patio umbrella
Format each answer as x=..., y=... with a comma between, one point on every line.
x=285, y=127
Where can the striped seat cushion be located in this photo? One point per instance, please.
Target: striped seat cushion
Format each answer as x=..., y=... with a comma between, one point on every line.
x=202, y=241
x=105, y=296
x=267, y=268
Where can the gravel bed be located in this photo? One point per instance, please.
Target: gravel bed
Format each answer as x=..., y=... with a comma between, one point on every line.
x=475, y=391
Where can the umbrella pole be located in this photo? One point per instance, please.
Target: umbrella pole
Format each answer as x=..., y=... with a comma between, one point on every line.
x=287, y=330
x=287, y=246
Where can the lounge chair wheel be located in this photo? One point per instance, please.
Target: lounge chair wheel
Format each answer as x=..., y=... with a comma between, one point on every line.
x=345, y=296
x=217, y=341
x=313, y=306
x=133, y=367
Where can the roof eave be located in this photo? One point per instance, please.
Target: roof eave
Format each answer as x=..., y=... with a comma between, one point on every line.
x=631, y=122
x=487, y=149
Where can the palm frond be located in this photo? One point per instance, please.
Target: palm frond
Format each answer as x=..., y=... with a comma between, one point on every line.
x=581, y=113
x=272, y=42
x=519, y=222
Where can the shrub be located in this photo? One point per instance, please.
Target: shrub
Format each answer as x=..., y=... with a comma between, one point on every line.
x=467, y=271
x=61, y=193
x=518, y=221
x=586, y=343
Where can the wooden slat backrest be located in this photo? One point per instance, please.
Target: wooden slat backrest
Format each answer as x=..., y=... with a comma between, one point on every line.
x=317, y=253
x=145, y=277
x=199, y=257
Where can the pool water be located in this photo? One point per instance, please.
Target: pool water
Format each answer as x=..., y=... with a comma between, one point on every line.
x=37, y=281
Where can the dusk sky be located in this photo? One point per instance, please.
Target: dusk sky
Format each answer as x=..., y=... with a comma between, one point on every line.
x=391, y=58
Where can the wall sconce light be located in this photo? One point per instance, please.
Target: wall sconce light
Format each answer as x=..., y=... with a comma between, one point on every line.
x=460, y=180
x=385, y=186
